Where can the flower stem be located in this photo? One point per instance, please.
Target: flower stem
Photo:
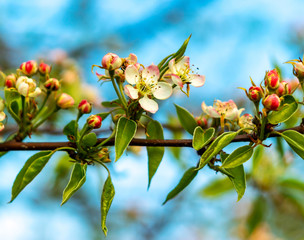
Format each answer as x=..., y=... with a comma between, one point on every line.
x=116, y=89
x=264, y=121
x=106, y=140
x=44, y=102
x=45, y=118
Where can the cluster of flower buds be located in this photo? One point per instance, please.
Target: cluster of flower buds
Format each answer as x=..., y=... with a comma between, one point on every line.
x=2, y=114
x=103, y=155
x=94, y=121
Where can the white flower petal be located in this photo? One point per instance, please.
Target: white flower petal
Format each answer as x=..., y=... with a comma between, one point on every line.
x=211, y=111
x=172, y=67
x=197, y=80
x=2, y=116
x=132, y=74
x=131, y=92
x=177, y=80
x=150, y=74
x=23, y=89
x=35, y=93
x=183, y=64
x=148, y=104
x=162, y=91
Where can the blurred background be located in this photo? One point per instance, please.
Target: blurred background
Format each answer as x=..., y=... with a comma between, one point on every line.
x=231, y=41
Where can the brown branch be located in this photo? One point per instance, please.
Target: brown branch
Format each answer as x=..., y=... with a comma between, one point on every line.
x=19, y=146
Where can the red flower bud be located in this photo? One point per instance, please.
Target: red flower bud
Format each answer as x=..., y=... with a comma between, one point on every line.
x=44, y=68
x=65, y=101
x=283, y=89
x=10, y=80
x=94, y=121
x=111, y=61
x=272, y=102
x=201, y=121
x=272, y=79
x=84, y=107
x=29, y=68
x=255, y=93
x=52, y=84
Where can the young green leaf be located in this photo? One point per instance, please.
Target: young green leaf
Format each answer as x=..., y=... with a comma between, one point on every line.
x=217, y=188
x=201, y=138
x=125, y=131
x=295, y=140
x=71, y=130
x=289, y=107
x=238, y=177
x=110, y=104
x=155, y=154
x=187, y=178
x=107, y=196
x=238, y=157
x=29, y=171
x=89, y=140
x=216, y=146
x=77, y=179
x=186, y=119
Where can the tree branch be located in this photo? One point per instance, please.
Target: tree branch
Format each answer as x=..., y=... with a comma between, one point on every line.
x=26, y=146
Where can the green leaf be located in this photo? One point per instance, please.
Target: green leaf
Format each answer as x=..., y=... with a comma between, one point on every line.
x=106, y=201
x=217, y=188
x=11, y=95
x=289, y=107
x=292, y=183
x=89, y=140
x=187, y=178
x=29, y=171
x=110, y=104
x=71, y=130
x=216, y=146
x=257, y=213
x=295, y=140
x=77, y=179
x=125, y=131
x=103, y=115
x=238, y=157
x=201, y=138
x=186, y=119
x=155, y=154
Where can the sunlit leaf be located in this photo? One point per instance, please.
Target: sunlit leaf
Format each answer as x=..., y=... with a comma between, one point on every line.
x=186, y=119
x=201, y=138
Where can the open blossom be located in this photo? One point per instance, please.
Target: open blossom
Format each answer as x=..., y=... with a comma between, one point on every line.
x=27, y=87
x=180, y=73
x=146, y=86
x=245, y=121
x=225, y=110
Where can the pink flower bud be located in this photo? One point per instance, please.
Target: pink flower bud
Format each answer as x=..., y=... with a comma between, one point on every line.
x=272, y=79
x=283, y=89
x=44, y=68
x=84, y=107
x=111, y=61
x=272, y=102
x=255, y=93
x=29, y=68
x=201, y=121
x=10, y=80
x=52, y=84
x=65, y=101
x=298, y=70
x=94, y=121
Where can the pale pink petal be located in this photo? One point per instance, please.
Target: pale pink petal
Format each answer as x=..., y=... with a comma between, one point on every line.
x=133, y=58
x=2, y=116
x=132, y=74
x=23, y=89
x=35, y=93
x=162, y=90
x=148, y=104
x=172, y=66
x=211, y=111
x=150, y=74
x=197, y=80
x=183, y=64
x=177, y=80
x=131, y=92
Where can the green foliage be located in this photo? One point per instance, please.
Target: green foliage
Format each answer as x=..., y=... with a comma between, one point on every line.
x=29, y=171
x=186, y=119
x=201, y=138
x=107, y=197
x=125, y=131
x=187, y=178
x=71, y=131
x=89, y=140
x=77, y=179
x=295, y=140
x=155, y=154
x=217, y=188
x=238, y=157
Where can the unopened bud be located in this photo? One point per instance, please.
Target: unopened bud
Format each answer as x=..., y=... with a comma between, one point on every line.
x=84, y=107
x=10, y=80
x=44, y=68
x=272, y=79
x=255, y=93
x=283, y=89
x=65, y=101
x=94, y=121
x=298, y=70
x=52, y=84
x=111, y=61
x=272, y=102
x=29, y=68
x=201, y=121
x=103, y=155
